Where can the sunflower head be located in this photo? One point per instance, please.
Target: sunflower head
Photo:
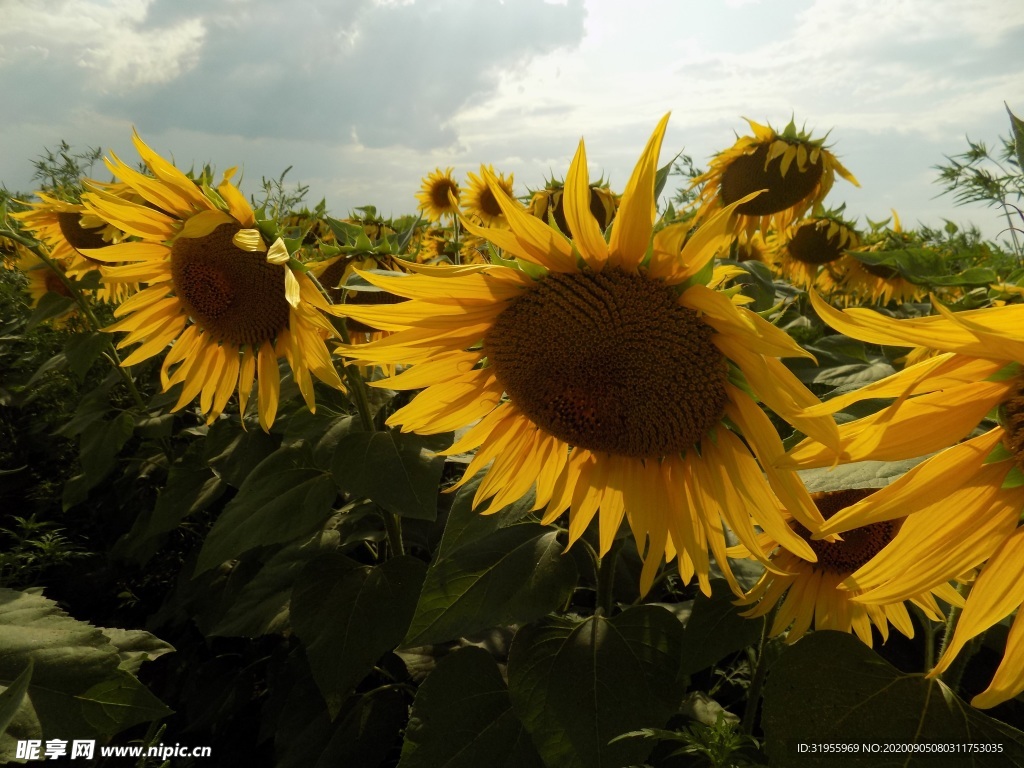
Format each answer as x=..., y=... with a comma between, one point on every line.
x=601, y=367
x=68, y=230
x=435, y=194
x=799, y=251
x=224, y=297
x=43, y=280
x=792, y=170
x=480, y=202
x=603, y=204
x=810, y=594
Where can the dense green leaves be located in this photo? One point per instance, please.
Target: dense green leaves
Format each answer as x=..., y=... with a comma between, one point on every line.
x=515, y=575
x=80, y=685
x=282, y=499
x=831, y=688
x=398, y=471
x=715, y=629
x=348, y=616
x=576, y=686
x=463, y=718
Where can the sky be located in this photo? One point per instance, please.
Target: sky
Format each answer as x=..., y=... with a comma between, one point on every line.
x=363, y=98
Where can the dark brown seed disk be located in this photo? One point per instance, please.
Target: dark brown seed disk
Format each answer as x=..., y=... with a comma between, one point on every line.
x=610, y=362
x=78, y=236
x=439, y=192
x=858, y=546
x=236, y=296
x=811, y=243
x=1011, y=414
x=488, y=203
x=749, y=173
x=602, y=209
x=54, y=284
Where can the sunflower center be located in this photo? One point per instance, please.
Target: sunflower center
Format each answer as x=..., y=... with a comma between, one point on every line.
x=54, y=284
x=610, y=362
x=858, y=546
x=78, y=236
x=1012, y=419
x=235, y=295
x=749, y=173
x=439, y=193
x=812, y=244
x=488, y=203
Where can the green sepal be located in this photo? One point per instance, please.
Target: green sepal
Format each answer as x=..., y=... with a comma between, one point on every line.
x=1014, y=478
x=999, y=453
x=536, y=271
x=1007, y=372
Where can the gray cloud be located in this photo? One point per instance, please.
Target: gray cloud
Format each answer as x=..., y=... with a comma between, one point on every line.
x=386, y=75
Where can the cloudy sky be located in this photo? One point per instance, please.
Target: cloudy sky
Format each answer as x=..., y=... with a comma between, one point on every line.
x=364, y=97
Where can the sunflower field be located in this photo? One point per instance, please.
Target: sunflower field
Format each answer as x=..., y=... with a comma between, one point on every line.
x=700, y=471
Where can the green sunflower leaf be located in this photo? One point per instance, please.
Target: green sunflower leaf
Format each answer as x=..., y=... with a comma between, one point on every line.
x=864, y=702
x=400, y=472
x=577, y=686
x=348, y=616
x=715, y=629
x=83, y=349
x=282, y=499
x=462, y=718
x=516, y=574
x=79, y=687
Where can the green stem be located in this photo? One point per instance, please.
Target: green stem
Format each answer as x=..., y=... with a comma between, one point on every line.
x=929, y=636
x=86, y=309
x=951, y=677
x=356, y=385
x=758, y=676
x=357, y=388
x=393, y=526
x=606, y=578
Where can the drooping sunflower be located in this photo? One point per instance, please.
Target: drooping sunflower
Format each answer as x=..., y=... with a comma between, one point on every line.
x=809, y=594
x=228, y=305
x=549, y=201
x=480, y=202
x=43, y=280
x=68, y=230
x=798, y=252
x=435, y=192
x=852, y=280
x=605, y=374
x=751, y=247
x=796, y=170
x=962, y=505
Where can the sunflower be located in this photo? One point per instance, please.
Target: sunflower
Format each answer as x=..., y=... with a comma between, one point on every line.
x=605, y=374
x=230, y=306
x=480, y=202
x=796, y=171
x=799, y=251
x=435, y=193
x=68, y=230
x=851, y=280
x=336, y=272
x=547, y=202
x=43, y=280
x=962, y=505
x=750, y=247
x=809, y=593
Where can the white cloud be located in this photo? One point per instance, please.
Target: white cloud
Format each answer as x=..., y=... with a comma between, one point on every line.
x=135, y=58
